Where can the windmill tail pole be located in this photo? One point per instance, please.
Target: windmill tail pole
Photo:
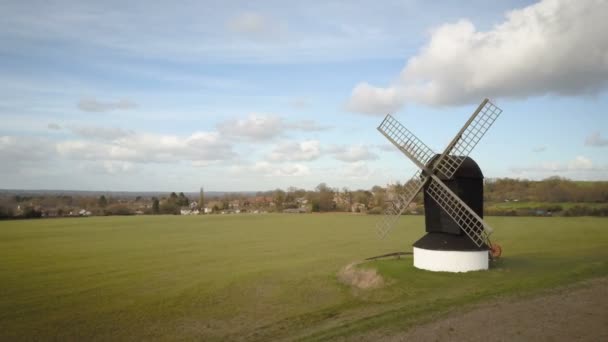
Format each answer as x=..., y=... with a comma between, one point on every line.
x=397, y=254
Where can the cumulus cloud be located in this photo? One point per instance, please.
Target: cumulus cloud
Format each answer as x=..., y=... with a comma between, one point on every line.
x=581, y=167
x=580, y=163
x=295, y=170
x=143, y=148
x=357, y=170
x=17, y=152
x=368, y=99
x=93, y=105
x=53, y=126
x=205, y=163
x=296, y=151
x=265, y=168
x=113, y=167
x=595, y=139
x=353, y=153
x=110, y=167
x=100, y=132
x=260, y=127
x=15, y=149
x=551, y=47
x=254, y=127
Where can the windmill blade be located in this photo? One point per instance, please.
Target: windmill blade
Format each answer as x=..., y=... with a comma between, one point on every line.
x=462, y=214
x=406, y=141
x=467, y=138
x=398, y=205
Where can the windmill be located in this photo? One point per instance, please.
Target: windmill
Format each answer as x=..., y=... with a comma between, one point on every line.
x=457, y=238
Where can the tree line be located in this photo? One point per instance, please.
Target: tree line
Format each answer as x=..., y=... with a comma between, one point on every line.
x=553, y=190
x=553, y=195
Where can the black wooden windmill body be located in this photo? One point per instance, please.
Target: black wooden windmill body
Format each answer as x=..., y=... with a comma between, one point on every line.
x=457, y=237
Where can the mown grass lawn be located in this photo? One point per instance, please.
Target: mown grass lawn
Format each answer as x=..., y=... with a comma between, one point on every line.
x=257, y=276
x=533, y=205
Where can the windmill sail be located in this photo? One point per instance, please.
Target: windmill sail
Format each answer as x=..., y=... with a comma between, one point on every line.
x=470, y=223
x=468, y=137
x=406, y=141
x=396, y=206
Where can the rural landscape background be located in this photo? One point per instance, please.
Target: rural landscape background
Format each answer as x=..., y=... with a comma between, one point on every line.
x=554, y=196
x=211, y=170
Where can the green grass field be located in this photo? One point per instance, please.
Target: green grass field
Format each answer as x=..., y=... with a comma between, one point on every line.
x=258, y=277
x=533, y=205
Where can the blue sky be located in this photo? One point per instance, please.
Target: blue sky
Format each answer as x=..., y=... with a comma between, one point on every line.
x=241, y=95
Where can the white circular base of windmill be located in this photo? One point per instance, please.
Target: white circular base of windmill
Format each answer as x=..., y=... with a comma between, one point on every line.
x=450, y=261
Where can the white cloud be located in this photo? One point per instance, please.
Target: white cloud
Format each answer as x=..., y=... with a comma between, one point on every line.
x=296, y=151
x=110, y=167
x=205, y=163
x=580, y=167
x=93, y=105
x=267, y=169
x=17, y=152
x=113, y=167
x=260, y=127
x=595, y=139
x=254, y=127
x=368, y=99
x=100, y=132
x=357, y=170
x=15, y=149
x=353, y=153
x=580, y=163
x=295, y=170
x=551, y=47
x=143, y=148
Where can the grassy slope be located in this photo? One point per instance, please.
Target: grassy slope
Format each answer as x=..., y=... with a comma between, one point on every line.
x=256, y=277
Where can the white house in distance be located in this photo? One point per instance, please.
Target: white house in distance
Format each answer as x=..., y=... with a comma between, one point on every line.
x=191, y=209
x=84, y=212
x=186, y=211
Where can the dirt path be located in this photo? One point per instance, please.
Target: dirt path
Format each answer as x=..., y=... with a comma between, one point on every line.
x=578, y=313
